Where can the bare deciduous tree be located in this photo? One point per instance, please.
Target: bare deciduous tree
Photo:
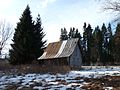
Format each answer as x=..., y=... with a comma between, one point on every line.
x=5, y=34
x=114, y=6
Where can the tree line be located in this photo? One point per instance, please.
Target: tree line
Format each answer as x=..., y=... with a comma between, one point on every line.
x=100, y=46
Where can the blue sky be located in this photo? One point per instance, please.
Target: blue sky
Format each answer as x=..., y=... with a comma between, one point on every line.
x=56, y=14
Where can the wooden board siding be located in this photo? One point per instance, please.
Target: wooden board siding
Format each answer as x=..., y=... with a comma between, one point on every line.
x=56, y=62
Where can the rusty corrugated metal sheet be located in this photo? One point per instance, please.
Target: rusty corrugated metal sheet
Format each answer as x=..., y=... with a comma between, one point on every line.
x=51, y=50
x=60, y=49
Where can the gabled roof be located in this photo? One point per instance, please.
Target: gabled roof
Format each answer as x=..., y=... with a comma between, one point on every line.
x=60, y=49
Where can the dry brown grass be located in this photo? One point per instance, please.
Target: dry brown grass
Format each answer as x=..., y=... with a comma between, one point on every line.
x=5, y=66
x=32, y=68
x=43, y=69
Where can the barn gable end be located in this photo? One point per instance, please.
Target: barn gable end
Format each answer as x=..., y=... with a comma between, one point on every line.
x=75, y=58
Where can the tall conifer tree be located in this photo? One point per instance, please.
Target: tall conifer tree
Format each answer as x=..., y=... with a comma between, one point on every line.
x=104, y=35
x=110, y=43
x=26, y=44
x=84, y=44
x=63, y=35
x=89, y=42
x=39, y=44
x=97, y=35
x=21, y=51
x=116, y=44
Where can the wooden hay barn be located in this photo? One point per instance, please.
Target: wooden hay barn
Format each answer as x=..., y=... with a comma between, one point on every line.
x=67, y=52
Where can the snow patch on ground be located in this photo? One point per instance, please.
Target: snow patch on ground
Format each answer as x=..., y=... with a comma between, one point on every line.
x=73, y=79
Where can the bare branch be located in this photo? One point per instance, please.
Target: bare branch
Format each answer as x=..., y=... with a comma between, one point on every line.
x=5, y=34
x=114, y=6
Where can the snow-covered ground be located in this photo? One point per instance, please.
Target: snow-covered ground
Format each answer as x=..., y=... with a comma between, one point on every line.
x=73, y=79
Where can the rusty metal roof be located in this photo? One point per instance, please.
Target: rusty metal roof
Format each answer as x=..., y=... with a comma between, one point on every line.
x=60, y=49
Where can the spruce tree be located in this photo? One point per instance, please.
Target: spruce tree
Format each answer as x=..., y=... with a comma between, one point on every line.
x=109, y=29
x=77, y=34
x=104, y=35
x=110, y=43
x=116, y=44
x=74, y=33
x=104, y=44
x=97, y=36
x=89, y=42
x=71, y=32
x=39, y=44
x=84, y=44
x=23, y=47
x=63, y=35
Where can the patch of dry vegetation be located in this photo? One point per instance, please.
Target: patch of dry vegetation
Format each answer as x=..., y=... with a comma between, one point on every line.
x=32, y=68
x=102, y=83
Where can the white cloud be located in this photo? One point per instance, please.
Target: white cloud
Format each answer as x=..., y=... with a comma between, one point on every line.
x=45, y=3
x=5, y=3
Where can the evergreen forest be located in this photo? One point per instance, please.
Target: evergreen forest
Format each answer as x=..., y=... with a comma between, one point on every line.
x=99, y=46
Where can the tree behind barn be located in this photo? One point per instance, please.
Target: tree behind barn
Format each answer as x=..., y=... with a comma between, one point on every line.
x=110, y=43
x=104, y=43
x=74, y=33
x=97, y=47
x=89, y=42
x=116, y=44
x=84, y=44
x=25, y=46
x=63, y=35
